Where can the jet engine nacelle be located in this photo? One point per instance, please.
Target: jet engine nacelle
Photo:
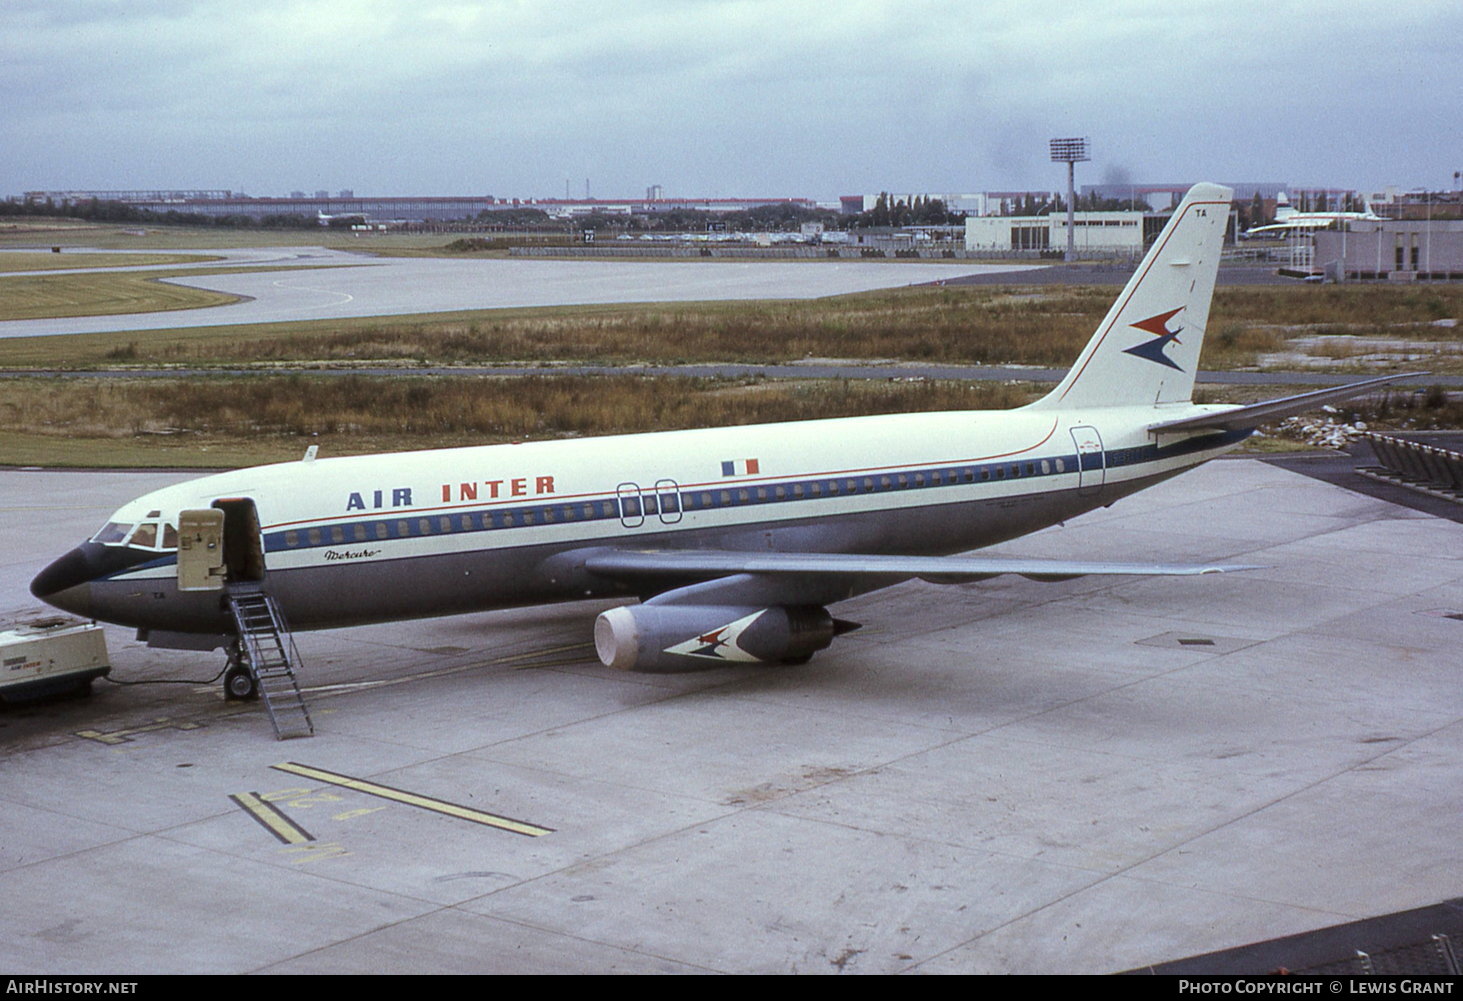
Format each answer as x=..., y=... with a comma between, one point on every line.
x=695, y=637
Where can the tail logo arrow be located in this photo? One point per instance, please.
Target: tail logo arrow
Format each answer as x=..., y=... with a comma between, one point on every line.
x=1158, y=327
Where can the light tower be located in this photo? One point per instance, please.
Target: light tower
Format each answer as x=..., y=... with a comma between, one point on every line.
x=1071, y=152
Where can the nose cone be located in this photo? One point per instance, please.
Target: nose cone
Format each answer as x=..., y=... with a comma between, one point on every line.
x=66, y=583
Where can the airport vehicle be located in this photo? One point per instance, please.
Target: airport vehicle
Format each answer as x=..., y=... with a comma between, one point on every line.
x=51, y=657
x=736, y=539
x=1289, y=221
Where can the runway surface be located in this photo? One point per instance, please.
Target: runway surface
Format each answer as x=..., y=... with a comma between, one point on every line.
x=386, y=286
x=1011, y=776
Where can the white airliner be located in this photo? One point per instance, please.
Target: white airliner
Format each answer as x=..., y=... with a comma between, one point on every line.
x=1289, y=221
x=736, y=539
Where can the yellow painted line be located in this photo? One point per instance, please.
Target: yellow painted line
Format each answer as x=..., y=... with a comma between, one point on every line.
x=272, y=819
x=412, y=799
x=125, y=736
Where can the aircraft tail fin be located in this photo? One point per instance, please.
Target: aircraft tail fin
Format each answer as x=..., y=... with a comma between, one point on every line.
x=1146, y=350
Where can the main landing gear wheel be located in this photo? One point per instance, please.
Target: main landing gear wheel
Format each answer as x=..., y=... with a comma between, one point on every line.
x=239, y=685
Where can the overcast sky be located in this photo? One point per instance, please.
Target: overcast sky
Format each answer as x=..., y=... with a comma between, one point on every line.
x=722, y=97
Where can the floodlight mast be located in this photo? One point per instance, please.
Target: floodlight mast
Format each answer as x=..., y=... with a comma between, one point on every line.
x=1071, y=152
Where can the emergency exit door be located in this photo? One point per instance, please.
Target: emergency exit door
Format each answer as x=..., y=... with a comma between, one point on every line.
x=1091, y=460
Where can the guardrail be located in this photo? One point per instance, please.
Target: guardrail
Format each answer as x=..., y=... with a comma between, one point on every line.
x=1428, y=468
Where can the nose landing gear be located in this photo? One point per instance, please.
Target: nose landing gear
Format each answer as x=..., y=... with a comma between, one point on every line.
x=239, y=682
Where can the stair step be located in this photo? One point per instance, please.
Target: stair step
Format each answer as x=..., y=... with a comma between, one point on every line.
x=265, y=638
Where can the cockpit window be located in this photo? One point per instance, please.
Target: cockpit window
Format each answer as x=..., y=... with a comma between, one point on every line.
x=112, y=533
x=143, y=536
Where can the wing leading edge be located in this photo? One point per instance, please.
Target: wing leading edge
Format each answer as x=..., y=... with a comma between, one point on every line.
x=632, y=564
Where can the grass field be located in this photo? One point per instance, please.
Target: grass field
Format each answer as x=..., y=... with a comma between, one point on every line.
x=19, y=260
x=239, y=421
x=1043, y=326
x=108, y=293
x=234, y=421
x=229, y=421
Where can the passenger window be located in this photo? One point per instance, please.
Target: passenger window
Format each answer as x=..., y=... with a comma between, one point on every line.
x=359, y=531
x=337, y=534
x=1061, y=466
x=381, y=530
x=314, y=536
x=292, y=539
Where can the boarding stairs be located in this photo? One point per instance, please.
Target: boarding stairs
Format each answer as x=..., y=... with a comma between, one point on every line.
x=270, y=653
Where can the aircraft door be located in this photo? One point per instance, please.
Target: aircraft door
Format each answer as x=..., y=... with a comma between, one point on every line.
x=1091, y=460
x=243, y=540
x=201, y=565
x=632, y=506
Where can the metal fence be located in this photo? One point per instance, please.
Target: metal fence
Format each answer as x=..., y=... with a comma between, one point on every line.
x=1429, y=468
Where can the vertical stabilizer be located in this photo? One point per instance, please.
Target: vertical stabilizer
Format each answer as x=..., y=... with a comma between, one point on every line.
x=1146, y=350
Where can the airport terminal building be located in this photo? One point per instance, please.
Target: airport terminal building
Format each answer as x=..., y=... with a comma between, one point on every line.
x=1392, y=250
x=1095, y=232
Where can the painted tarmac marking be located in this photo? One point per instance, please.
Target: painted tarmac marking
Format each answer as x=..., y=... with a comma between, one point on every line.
x=125, y=736
x=413, y=799
x=315, y=851
x=272, y=819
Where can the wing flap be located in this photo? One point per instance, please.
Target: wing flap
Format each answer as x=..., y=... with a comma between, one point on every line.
x=1248, y=418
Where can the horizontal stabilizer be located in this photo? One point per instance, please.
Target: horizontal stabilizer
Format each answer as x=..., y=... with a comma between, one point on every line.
x=939, y=569
x=1250, y=417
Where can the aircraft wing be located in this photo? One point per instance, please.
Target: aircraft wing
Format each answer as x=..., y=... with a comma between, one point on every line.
x=628, y=564
x=1250, y=417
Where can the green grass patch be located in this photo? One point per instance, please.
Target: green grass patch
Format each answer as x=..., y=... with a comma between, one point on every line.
x=33, y=297
x=39, y=261
x=107, y=293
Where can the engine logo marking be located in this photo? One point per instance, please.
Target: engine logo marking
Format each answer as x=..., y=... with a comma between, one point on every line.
x=720, y=644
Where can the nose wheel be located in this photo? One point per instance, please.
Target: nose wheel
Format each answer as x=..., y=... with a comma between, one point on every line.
x=239, y=683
